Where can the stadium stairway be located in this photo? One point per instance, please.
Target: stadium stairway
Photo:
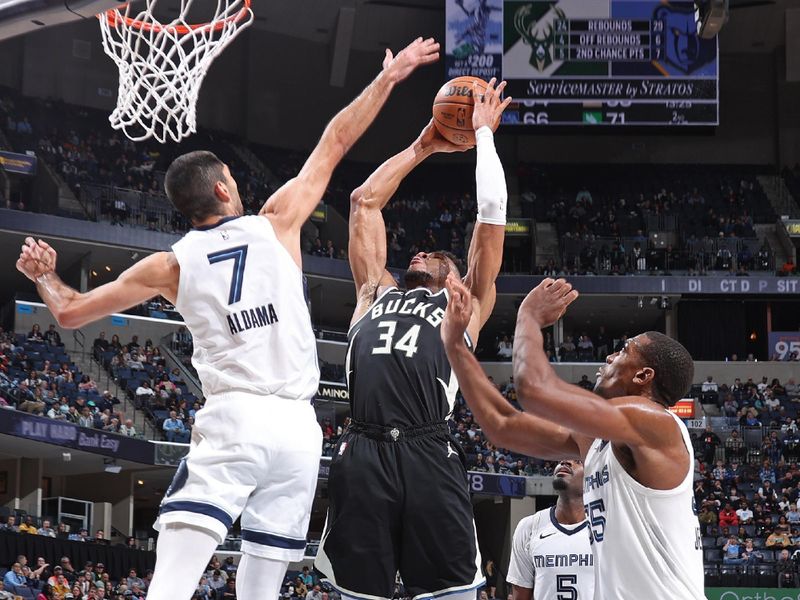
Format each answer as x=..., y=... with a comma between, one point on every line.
x=779, y=196
x=768, y=234
x=89, y=365
x=546, y=243
x=249, y=158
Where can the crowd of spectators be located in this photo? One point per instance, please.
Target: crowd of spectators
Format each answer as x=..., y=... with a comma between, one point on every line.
x=604, y=227
x=747, y=480
x=141, y=371
x=654, y=219
x=576, y=346
x=37, y=377
x=43, y=581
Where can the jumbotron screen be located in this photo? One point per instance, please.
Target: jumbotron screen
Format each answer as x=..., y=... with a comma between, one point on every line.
x=588, y=62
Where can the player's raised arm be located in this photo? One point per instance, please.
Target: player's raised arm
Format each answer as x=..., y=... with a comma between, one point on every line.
x=503, y=424
x=153, y=276
x=367, y=240
x=485, y=254
x=290, y=206
x=625, y=419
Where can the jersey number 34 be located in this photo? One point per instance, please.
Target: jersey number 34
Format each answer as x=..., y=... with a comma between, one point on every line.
x=406, y=344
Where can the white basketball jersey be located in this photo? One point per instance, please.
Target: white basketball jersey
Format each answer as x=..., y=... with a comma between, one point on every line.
x=554, y=559
x=242, y=297
x=646, y=542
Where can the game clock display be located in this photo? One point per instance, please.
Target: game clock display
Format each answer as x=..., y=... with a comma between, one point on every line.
x=588, y=62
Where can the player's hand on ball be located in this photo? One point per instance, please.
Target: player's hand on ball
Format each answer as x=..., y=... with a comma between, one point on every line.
x=419, y=52
x=488, y=107
x=548, y=301
x=432, y=139
x=459, y=311
x=36, y=259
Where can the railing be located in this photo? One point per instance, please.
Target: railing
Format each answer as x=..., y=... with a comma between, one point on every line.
x=79, y=339
x=131, y=207
x=607, y=255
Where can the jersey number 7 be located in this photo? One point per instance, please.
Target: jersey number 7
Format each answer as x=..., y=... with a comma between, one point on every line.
x=239, y=257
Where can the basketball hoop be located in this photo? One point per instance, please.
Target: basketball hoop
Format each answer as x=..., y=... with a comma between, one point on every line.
x=162, y=65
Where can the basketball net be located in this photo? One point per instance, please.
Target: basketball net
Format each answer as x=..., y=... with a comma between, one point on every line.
x=162, y=65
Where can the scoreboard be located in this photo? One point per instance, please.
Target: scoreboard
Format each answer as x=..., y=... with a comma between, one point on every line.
x=588, y=62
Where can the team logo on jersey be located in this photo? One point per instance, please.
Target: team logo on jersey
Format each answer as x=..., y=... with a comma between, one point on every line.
x=225, y=235
x=395, y=433
x=450, y=451
x=179, y=480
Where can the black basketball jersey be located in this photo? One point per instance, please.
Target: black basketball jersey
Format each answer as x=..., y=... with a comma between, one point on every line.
x=397, y=369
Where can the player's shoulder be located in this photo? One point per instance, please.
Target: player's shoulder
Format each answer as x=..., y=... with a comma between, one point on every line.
x=528, y=526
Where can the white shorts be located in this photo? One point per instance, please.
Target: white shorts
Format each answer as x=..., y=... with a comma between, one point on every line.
x=254, y=456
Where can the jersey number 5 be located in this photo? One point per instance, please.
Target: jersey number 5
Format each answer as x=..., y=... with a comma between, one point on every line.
x=239, y=257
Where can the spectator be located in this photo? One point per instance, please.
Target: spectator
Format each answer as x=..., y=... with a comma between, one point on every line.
x=101, y=343
x=86, y=419
x=728, y=516
x=793, y=516
x=174, y=428
x=735, y=449
x=35, y=334
x=52, y=337
x=133, y=580
x=229, y=592
x=585, y=383
x=14, y=578
x=230, y=567
x=778, y=539
x=87, y=385
x=731, y=551
x=744, y=513
x=505, y=349
x=786, y=569
x=709, y=441
x=28, y=526
x=46, y=593
x=4, y=594
x=46, y=530
x=11, y=524
x=314, y=594
x=128, y=429
x=306, y=577
x=203, y=591
x=216, y=582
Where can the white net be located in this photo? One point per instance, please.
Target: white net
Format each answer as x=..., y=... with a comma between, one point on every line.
x=162, y=65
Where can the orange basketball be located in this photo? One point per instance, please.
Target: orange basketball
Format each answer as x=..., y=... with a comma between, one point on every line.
x=452, y=110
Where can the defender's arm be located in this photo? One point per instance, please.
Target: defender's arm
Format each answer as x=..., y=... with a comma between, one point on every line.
x=155, y=275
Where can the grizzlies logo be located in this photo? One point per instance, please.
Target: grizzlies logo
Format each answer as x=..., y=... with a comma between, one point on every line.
x=539, y=34
x=179, y=480
x=684, y=49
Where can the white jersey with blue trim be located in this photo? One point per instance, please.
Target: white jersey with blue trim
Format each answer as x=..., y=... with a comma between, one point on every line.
x=242, y=297
x=555, y=560
x=646, y=542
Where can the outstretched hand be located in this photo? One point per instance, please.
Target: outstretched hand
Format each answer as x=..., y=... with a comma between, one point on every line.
x=459, y=311
x=36, y=259
x=419, y=52
x=548, y=301
x=488, y=106
x=432, y=139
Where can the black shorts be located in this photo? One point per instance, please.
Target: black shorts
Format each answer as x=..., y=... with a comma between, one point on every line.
x=399, y=501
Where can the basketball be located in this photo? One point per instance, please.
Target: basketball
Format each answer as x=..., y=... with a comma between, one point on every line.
x=452, y=110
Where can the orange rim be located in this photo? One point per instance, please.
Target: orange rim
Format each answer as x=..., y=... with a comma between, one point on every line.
x=114, y=16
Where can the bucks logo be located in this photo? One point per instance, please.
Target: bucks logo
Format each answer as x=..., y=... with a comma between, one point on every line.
x=539, y=33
